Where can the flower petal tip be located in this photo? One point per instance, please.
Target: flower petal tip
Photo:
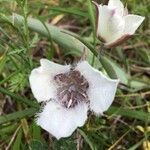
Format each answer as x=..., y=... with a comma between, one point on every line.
x=59, y=121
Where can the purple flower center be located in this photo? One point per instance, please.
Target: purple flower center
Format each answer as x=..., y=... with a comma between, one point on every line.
x=72, y=88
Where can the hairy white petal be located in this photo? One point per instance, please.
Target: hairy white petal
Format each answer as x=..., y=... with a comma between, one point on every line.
x=102, y=97
x=118, y=5
x=53, y=68
x=41, y=79
x=60, y=121
x=41, y=85
x=110, y=24
x=101, y=88
x=132, y=22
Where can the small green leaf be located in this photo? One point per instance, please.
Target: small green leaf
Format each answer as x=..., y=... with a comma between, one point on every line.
x=18, y=82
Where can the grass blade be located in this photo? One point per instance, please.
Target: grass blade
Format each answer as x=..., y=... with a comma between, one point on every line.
x=86, y=139
x=71, y=10
x=140, y=115
x=66, y=41
x=17, y=115
x=17, y=143
x=19, y=98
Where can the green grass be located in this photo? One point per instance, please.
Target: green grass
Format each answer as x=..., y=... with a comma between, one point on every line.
x=23, y=41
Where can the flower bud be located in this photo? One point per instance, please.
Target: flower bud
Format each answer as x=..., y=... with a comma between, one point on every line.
x=114, y=24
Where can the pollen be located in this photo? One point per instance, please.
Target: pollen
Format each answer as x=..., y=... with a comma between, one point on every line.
x=71, y=88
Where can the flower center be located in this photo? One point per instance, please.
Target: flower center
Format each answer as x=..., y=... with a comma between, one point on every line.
x=72, y=88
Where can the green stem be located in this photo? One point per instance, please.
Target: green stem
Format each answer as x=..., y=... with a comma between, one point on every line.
x=26, y=30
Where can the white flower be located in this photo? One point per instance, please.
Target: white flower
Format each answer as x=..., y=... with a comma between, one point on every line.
x=69, y=92
x=114, y=24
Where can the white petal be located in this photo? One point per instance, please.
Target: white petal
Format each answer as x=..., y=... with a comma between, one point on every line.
x=41, y=85
x=118, y=41
x=110, y=25
x=101, y=88
x=132, y=22
x=60, y=121
x=53, y=68
x=41, y=79
x=118, y=5
x=102, y=97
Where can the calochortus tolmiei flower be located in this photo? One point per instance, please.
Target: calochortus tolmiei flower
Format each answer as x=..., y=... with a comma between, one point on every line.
x=114, y=24
x=68, y=93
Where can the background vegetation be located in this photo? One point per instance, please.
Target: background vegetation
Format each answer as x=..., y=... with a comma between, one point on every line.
x=125, y=126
